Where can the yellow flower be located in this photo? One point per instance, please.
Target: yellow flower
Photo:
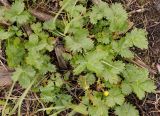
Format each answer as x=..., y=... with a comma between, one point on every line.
x=106, y=93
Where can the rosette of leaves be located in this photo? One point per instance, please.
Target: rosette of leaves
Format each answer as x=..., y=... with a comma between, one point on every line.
x=101, y=50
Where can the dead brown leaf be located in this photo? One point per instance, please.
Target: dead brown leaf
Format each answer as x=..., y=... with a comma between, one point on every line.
x=5, y=77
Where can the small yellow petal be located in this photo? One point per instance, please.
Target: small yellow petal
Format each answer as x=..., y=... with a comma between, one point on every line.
x=106, y=93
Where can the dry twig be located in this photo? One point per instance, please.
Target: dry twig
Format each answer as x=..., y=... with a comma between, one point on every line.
x=141, y=64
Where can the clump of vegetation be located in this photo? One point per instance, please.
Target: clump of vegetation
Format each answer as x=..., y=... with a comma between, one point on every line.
x=96, y=41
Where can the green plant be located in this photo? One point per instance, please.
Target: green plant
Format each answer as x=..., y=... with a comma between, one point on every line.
x=97, y=42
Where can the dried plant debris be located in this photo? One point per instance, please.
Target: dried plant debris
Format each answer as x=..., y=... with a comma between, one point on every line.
x=5, y=77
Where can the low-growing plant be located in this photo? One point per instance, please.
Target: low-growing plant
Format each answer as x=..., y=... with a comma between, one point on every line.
x=97, y=39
